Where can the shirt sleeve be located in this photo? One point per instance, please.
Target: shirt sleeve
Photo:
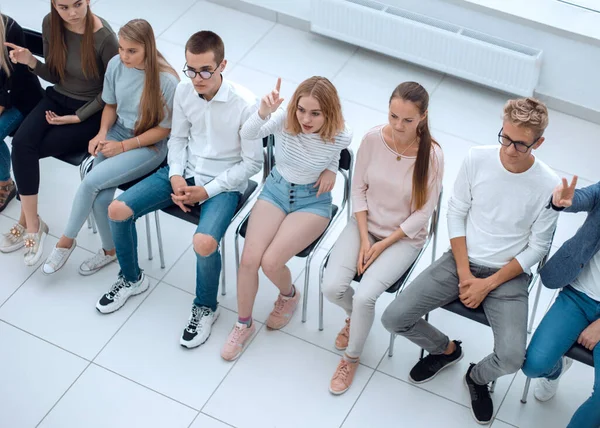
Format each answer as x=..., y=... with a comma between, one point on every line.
x=360, y=178
x=168, y=91
x=108, y=87
x=460, y=201
x=41, y=69
x=419, y=218
x=540, y=239
x=255, y=127
x=252, y=158
x=342, y=140
x=180, y=131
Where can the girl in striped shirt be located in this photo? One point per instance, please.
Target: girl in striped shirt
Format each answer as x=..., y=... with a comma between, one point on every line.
x=294, y=207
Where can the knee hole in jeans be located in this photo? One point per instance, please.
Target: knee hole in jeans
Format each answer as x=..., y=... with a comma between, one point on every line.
x=204, y=245
x=119, y=211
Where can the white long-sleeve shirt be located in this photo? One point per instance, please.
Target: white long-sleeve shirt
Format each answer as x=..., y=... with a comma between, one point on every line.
x=206, y=142
x=300, y=159
x=502, y=214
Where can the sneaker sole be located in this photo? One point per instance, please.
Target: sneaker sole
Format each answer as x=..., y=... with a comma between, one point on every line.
x=338, y=392
x=186, y=344
x=40, y=252
x=12, y=249
x=416, y=382
x=114, y=309
x=471, y=407
x=91, y=272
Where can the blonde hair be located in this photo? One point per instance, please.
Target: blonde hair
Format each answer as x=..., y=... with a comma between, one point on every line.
x=4, y=62
x=528, y=113
x=325, y=93
x=151, y=110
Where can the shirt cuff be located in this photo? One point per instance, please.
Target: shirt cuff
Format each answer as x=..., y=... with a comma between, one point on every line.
x=213, y=188
x=175, y=169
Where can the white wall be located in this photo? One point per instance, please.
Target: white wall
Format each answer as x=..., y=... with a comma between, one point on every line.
x=571, y=68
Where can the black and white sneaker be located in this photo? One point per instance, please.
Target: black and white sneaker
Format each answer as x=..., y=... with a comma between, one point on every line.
x=482, y=406
x=120, y=292
x=199, y=326
x=428, y=367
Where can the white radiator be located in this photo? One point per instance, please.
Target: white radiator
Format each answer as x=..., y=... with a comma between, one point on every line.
x=429, y=42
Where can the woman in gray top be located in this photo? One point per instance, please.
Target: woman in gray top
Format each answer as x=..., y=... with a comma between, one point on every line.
x=139, y=87
x=77, y=48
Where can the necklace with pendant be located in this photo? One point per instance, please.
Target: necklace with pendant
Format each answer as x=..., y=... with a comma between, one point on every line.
x=399, y=157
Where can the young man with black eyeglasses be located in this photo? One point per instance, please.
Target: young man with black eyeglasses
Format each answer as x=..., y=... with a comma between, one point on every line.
x=499, y=228
x=208, y=163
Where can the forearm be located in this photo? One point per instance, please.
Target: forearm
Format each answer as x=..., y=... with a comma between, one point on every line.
x=461, y=256
x=148, y=138
x=505, y=274
x=395, y=237
x=109, y=117
x=363, y=229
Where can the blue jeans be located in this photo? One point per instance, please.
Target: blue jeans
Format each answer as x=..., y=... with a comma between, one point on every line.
x=570, y=314
x=9, y=121
x=154, y=193
x=98, y=187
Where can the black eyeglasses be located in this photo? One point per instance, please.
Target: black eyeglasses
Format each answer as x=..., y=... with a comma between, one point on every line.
x=204, y=74
x=520, y=146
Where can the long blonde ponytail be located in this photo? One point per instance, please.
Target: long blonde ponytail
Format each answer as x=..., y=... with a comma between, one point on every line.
x=4, y=62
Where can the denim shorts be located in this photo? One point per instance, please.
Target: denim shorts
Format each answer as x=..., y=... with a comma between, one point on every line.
x=291, y=198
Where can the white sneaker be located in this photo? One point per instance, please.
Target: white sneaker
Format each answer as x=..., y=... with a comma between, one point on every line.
x=545, y=389
x=13, y=239
x=57, y=259
x=34, y=244
x=120, y=292
x=199, y=326
x=96, y=262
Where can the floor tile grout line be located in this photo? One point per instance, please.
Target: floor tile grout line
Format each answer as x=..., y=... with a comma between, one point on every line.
x=178, y=18
x=63, y=394
x=251, y=48
x=45, y=340
x=505, y=395
x=20, y=285
x=444, y=75
x=356, y=49
x=216, y=419
x=231, y=368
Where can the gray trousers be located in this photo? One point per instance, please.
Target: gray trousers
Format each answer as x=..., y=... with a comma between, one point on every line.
x=506, y=309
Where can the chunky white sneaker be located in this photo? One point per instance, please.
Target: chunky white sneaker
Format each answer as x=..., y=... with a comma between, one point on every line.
x=34, y=244
x=199, y=326
x=95, y=263
x=120, y=292
x=57, y=259
x=13, y=239
x=545, y=389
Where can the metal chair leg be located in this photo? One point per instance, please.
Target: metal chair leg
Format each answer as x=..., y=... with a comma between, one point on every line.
x=306, y=281
x=223, y=274
x=321, y=298
x=161, y=251
x=535, y=305
x=391, y=348
x=236, y=243
x=148, y=237
x=526, y=390
x=492, y=387
x=93, y=223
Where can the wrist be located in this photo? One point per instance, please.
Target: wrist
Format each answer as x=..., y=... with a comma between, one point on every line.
x=262, y=114
x=32, y=62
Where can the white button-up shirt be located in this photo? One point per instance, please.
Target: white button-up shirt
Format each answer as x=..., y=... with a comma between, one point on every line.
x=205, y=140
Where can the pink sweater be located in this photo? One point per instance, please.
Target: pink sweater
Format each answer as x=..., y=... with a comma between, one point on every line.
x=382, y=186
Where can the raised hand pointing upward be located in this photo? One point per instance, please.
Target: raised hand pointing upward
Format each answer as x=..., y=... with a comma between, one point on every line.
x=270, y=102
x=563, y=193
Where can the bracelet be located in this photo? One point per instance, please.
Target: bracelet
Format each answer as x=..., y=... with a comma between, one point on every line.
x=139, y=144
x=123, y=146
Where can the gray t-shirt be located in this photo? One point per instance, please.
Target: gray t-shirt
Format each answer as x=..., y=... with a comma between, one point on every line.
x=123, y=86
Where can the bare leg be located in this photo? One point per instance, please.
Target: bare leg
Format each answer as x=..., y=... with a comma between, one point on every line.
x=298, y=231
x=22, y=220
x=29, y=206
x=264, y=222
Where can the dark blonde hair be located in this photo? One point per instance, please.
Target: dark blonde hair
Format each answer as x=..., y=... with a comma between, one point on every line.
x=57, y=49
x=152, y=103
x=325, y=93
x=528, y=113
x=416, y=94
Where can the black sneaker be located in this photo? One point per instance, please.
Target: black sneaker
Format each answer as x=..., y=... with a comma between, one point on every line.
x=427, y=368
x=482, y=406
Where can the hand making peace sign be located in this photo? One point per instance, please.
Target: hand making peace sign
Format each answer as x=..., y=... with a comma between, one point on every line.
x=270, y=102
x=20, y=55
x=563, y=193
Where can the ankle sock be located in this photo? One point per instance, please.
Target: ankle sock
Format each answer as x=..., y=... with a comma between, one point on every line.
x=350, y=359
x=292, y=293
x=247, y=321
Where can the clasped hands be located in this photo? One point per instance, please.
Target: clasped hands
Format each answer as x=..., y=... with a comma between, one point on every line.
x=185, y=196
x=472, y=290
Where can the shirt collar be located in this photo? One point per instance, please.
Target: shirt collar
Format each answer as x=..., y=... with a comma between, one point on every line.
x=222, y=94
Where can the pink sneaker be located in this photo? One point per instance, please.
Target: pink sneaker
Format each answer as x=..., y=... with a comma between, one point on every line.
x=282, y=313
x=236, y=341
x=343, y=377
x=341, y=341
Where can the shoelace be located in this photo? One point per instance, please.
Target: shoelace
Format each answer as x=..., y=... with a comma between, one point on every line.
x=478, y=391
x=343, y=371
x=279, y=304
x=56, y=256
x=235, y=335
x=432, y=361
x=96, y=260
x=197, y=314
x=116, y=288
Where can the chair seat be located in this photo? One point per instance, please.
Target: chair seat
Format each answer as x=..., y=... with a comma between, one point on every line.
x=396, y=286
x=304, y=253
x=581, y=354
x=473, y=314
x=194, y=215
x=74, y=159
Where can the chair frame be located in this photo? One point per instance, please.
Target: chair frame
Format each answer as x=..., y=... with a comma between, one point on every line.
x=345, y=204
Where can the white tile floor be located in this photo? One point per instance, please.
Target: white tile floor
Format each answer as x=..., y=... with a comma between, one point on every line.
x=64, y=365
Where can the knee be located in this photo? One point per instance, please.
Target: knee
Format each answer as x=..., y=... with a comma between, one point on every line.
x=119, y=211
x=250, y=261
x=394, y=318
x=512, y=360
x=332, y=289
x=537, y=364
x=363, y=298
x=204, y=245
x=270, y=264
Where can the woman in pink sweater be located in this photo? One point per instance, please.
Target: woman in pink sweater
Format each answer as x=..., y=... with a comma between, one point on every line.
x=397, y=181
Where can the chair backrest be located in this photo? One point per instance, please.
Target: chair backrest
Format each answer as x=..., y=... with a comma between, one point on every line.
x=33, y=42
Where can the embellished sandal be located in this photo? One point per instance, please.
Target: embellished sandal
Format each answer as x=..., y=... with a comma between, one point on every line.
x=7, y=193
